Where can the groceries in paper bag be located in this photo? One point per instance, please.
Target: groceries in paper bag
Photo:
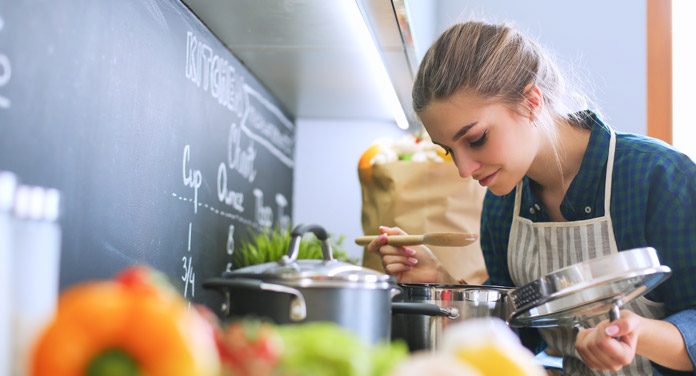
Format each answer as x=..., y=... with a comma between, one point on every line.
x=413, y=184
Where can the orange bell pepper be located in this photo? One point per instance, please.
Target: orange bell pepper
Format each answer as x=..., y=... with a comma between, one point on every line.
x=125, y=327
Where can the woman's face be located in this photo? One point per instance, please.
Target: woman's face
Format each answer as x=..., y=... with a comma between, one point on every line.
x=487, y=139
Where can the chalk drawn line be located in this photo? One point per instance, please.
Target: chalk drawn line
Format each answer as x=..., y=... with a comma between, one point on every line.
x=219, y=212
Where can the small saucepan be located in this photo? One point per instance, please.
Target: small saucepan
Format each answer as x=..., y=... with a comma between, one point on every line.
x=425, y=332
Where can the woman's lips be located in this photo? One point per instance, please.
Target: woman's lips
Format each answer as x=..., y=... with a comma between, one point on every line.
x=485, y=182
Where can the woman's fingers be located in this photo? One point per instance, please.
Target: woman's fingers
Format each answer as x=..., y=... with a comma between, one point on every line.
x=399, y=260
x=581, y=344
x=601, y=350
x=396, y=268
x=391, y=230
x=381, y=240
x=388, y=250
x=375, y=245
x=606, y=358
x=395, y=260
x=616, y=341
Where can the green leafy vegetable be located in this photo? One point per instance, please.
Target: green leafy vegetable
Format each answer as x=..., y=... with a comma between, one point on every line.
x=271, y=245
x=385, y=357
x=323, y=349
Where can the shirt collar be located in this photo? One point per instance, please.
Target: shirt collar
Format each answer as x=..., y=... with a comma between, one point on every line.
x=585, y=196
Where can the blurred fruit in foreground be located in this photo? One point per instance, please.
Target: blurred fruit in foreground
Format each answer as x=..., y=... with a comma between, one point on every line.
x=435, y=364
x=147, y=281
x=129, y=326
x=249, y=348
x=313, y=349
x=489, y=345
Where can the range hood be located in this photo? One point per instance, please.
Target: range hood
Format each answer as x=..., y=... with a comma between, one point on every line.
x=308, y=57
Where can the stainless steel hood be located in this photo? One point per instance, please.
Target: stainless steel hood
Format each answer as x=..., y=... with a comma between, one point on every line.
x=306, y=53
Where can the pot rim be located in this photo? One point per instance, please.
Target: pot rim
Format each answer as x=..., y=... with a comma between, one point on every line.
x=430, y=292
x=314, y=282
x=454, y=286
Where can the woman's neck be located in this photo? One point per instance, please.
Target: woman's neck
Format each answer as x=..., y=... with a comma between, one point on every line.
x=553, y=169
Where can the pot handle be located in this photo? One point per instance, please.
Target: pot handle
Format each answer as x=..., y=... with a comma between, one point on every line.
x=298, y=305
x=296, y=237
x=394, y=292
x=425, y=309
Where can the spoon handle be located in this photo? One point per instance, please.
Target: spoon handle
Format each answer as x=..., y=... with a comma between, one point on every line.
x=398, y=240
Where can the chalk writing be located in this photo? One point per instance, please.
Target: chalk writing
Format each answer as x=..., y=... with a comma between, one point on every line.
x=213, y=73
x=192, y=178
x=226, y=195
x=230, y=246
x=282, y=202
x=240, y=160
x=256, y=125
x=263, y=214
x=189, y=276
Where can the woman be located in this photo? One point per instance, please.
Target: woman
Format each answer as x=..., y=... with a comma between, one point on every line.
x=562, y=188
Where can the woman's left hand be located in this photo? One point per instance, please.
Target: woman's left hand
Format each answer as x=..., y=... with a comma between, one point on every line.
x=610, y=345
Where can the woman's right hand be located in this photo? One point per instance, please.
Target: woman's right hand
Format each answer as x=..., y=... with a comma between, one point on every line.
x=412, y=264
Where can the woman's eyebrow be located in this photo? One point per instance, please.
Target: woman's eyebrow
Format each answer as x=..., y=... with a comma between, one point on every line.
x=462, y=131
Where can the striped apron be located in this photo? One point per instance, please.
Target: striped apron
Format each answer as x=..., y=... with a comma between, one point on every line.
x=536, y=249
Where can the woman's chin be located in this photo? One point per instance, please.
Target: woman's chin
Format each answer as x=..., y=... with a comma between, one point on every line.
x=501, y=189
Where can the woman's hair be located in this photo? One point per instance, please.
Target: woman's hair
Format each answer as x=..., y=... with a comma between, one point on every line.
x=492, y=61
x=496, y=61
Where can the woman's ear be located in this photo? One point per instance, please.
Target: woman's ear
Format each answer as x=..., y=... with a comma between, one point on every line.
x=533, y=100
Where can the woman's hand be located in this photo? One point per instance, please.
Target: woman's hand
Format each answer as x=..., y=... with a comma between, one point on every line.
x=414, y=264
x=610, y=345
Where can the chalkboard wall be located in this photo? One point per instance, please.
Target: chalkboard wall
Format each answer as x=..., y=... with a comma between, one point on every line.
x=164, y=147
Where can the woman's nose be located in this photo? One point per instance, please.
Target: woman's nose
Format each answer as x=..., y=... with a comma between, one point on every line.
x=466, y=165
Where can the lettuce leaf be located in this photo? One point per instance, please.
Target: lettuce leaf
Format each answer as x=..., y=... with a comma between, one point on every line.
x=323, y=349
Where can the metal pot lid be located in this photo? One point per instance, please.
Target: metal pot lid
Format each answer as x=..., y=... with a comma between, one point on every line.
x=327, y=272
x=582, y=291
x=314, y=273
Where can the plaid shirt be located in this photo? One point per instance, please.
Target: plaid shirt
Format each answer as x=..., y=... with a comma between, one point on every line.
x=653, y=203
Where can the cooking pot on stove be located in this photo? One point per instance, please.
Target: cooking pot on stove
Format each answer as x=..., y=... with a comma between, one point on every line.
x=296, y=291
x=425, y=332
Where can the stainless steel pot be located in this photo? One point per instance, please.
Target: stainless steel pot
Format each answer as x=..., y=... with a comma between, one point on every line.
x=424, y=332
x=295, y=291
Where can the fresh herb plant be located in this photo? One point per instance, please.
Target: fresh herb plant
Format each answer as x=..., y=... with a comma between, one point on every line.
x=271, y=245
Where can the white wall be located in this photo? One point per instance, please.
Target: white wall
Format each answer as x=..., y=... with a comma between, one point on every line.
x=605, y=41
x=683, y=75
x=326, y=186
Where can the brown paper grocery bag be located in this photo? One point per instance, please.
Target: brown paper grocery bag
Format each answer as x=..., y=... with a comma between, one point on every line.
x=422, y=197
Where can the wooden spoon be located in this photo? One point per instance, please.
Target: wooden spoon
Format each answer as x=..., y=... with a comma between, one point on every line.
x=442, y=239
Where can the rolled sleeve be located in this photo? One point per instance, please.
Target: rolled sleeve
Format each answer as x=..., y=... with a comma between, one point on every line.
x=685, y=321
x=671, y=230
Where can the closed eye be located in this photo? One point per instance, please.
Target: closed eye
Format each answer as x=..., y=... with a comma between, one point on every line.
x=480, y=141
